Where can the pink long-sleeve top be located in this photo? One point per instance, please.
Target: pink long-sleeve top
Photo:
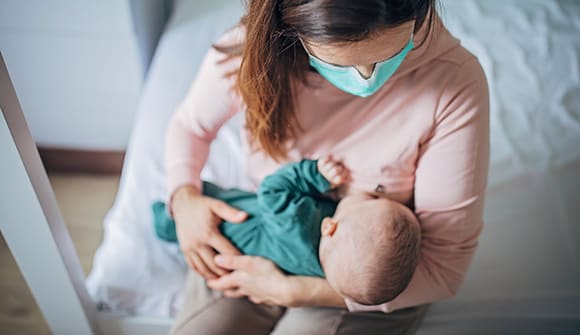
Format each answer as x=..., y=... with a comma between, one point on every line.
x=422, y=139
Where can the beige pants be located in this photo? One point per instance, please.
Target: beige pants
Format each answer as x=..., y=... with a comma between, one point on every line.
x=207, y=312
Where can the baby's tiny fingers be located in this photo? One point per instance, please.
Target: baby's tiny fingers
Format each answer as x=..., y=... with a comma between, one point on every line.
x=322, y=164
x=334, y=172
x=329, y=165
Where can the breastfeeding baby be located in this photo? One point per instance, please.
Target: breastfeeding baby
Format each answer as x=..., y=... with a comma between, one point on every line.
x=293, y=221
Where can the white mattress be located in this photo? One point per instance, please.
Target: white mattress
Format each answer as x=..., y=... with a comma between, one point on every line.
x=526, y=274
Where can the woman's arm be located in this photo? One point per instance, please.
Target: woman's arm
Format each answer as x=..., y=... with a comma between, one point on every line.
x=312, y=291
x=208, y=104
x=262, y=282
x=450, y=182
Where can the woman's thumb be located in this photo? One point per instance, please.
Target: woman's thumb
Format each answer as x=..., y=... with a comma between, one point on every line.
x=226, y=212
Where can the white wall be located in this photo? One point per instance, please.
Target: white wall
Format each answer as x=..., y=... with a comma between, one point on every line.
x=78, y=66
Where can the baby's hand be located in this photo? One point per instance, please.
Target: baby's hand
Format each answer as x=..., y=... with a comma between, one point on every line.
x=334, y=171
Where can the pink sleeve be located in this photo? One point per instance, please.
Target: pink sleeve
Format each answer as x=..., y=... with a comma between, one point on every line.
x=209, y=103
x=450, y=183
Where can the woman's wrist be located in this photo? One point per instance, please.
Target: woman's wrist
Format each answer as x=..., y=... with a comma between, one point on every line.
x=311, y=291
x=180, y=198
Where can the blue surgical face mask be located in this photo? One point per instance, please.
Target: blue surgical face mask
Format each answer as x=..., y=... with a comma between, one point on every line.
x=348, y=79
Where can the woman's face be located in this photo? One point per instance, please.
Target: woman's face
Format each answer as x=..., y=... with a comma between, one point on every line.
x=364, y=54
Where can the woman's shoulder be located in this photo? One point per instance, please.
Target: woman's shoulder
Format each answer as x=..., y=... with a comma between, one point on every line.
x=452, y=71
x=224, y=56
x=464, y=63
x=233, y=38
x=443, y=61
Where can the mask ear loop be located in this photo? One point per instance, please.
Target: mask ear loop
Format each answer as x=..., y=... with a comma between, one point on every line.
x=305, y=48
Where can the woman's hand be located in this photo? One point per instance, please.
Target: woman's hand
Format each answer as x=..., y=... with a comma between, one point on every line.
x=255, y=277
x=197, y=218
x=262, y=282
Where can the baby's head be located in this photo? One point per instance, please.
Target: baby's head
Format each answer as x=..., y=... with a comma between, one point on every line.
x=369, y=249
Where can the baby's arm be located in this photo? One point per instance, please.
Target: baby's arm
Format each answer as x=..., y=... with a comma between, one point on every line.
x=295, y=184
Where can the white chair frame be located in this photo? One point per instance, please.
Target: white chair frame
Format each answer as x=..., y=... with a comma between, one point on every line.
x=37, y=237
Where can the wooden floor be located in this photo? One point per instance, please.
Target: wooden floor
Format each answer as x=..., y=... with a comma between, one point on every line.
x=83, y=200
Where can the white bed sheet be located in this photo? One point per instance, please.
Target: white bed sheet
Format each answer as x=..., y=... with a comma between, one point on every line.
x=133, y=271
x=526, y=274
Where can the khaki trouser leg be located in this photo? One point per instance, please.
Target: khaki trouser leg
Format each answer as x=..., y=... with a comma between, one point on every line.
x=338, y=321
x=208, y=312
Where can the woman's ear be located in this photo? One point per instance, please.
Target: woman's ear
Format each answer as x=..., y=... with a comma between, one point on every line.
x=328, y=226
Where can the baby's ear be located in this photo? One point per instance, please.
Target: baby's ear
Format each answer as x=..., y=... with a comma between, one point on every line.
x=328, y=226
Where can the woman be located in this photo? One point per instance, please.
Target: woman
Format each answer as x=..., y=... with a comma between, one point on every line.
x=380, y=84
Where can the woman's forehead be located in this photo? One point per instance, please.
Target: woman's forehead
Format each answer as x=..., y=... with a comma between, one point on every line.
x=380, y=46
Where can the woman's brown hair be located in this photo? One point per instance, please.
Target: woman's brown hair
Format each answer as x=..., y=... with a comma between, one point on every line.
x=273, y=60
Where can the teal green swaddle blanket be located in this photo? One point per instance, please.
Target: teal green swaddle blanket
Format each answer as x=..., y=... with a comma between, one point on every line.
x=284, y=217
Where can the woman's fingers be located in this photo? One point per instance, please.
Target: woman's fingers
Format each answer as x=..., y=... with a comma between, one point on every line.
x=236, y=293
x=256, y=300
x=226, y=212
x=207, y=255
x=223, y=246
x=234, y=262
x=225, y=283
x=198, y=234
x=201, y=267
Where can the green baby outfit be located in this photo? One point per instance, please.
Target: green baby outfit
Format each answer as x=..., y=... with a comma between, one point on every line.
x=284, y=217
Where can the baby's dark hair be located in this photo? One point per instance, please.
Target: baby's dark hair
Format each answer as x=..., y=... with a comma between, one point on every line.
x=381, y=275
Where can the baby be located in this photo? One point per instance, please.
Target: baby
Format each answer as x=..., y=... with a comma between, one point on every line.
x=367, y=246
